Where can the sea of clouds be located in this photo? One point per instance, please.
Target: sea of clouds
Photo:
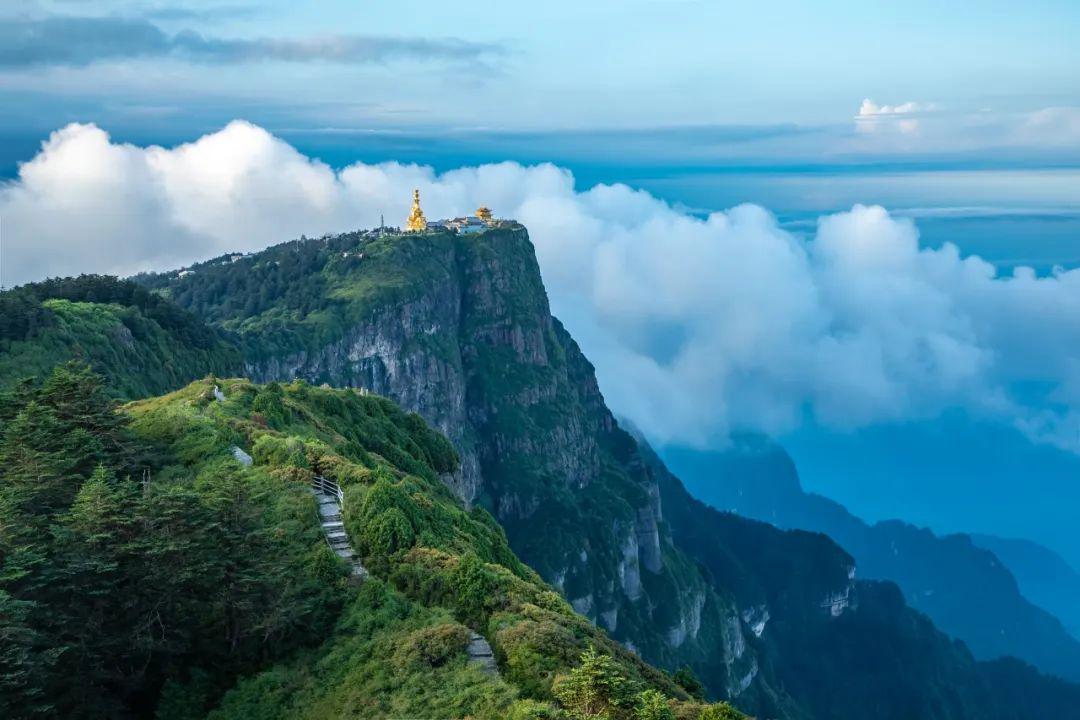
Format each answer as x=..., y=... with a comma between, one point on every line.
x=697, y=326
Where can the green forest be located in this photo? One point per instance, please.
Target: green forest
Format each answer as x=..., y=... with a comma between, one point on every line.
x=140, y=342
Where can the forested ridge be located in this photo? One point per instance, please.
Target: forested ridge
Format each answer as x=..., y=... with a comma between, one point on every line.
x=142, y=343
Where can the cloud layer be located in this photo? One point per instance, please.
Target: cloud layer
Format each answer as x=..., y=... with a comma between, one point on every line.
x=69, y=40
x=697, y=326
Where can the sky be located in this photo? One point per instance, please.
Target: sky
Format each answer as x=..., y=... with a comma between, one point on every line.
x=852, y=226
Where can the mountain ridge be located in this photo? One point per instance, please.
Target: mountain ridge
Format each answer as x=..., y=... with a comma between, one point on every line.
x=965, y=588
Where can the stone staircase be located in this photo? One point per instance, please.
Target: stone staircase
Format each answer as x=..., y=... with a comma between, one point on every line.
x=329, y=497
x=480, y=651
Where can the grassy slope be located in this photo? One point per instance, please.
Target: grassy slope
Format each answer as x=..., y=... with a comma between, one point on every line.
x=398, y=646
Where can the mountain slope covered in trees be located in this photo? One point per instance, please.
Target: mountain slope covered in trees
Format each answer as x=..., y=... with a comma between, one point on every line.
x=142, y=343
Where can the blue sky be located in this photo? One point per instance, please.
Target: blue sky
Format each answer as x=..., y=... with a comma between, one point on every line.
x=963, y=117
x=791, y=73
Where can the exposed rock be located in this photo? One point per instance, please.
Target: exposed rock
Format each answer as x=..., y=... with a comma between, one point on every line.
x=735, y=645
x=648, y=532
x=629, y=574
x=583, y=605
x=242, y=457
x=756, y=618
x=689, y=623
x=837, y=602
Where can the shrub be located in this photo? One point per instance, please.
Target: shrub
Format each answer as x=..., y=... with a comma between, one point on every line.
x=387, y=533
x=432, y=646
x=652, y=705
x=534, y=710
x=684, y=677
x=721, y=711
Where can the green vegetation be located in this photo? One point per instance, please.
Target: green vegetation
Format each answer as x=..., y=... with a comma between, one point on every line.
x=144, y=570
x=303, y=295
x=124, y=566
x=142, y=343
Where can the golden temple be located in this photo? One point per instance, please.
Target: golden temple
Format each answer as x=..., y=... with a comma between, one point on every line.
x=416, y=222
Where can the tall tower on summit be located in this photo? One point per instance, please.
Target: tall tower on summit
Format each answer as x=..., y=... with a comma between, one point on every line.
x=416, y=222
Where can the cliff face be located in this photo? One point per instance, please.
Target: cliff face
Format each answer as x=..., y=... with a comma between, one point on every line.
x=408, y=351
x=458, y=329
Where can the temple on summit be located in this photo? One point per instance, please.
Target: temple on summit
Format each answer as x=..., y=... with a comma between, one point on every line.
x=482, y=220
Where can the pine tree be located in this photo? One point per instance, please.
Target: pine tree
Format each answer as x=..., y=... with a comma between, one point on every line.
x=25, y=664
x=595, y=689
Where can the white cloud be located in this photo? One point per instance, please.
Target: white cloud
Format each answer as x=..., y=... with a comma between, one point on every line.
x=697, y=326
x=903, y=117
x=869, y=108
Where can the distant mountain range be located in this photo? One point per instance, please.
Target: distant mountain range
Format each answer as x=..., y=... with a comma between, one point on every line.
x=1045, y=577
x=968, y=586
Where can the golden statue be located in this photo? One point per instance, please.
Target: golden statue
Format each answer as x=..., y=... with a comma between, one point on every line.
x=417, y=222
x=484, y=214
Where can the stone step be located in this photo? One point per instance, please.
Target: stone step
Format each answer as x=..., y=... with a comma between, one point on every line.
x=337, y=535
x=330, y=510
x=332, y=525
x=345, y=552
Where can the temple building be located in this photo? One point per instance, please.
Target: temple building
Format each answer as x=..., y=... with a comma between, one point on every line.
x=479, y=222
x=416, y=222
x=482, y=220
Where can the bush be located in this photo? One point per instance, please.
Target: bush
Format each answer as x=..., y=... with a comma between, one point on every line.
x=534, y=710
x=652, y=705
x=387, y=533
x=432, y=646
x=595, y=689
x=684, y=677
x=721, y=711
